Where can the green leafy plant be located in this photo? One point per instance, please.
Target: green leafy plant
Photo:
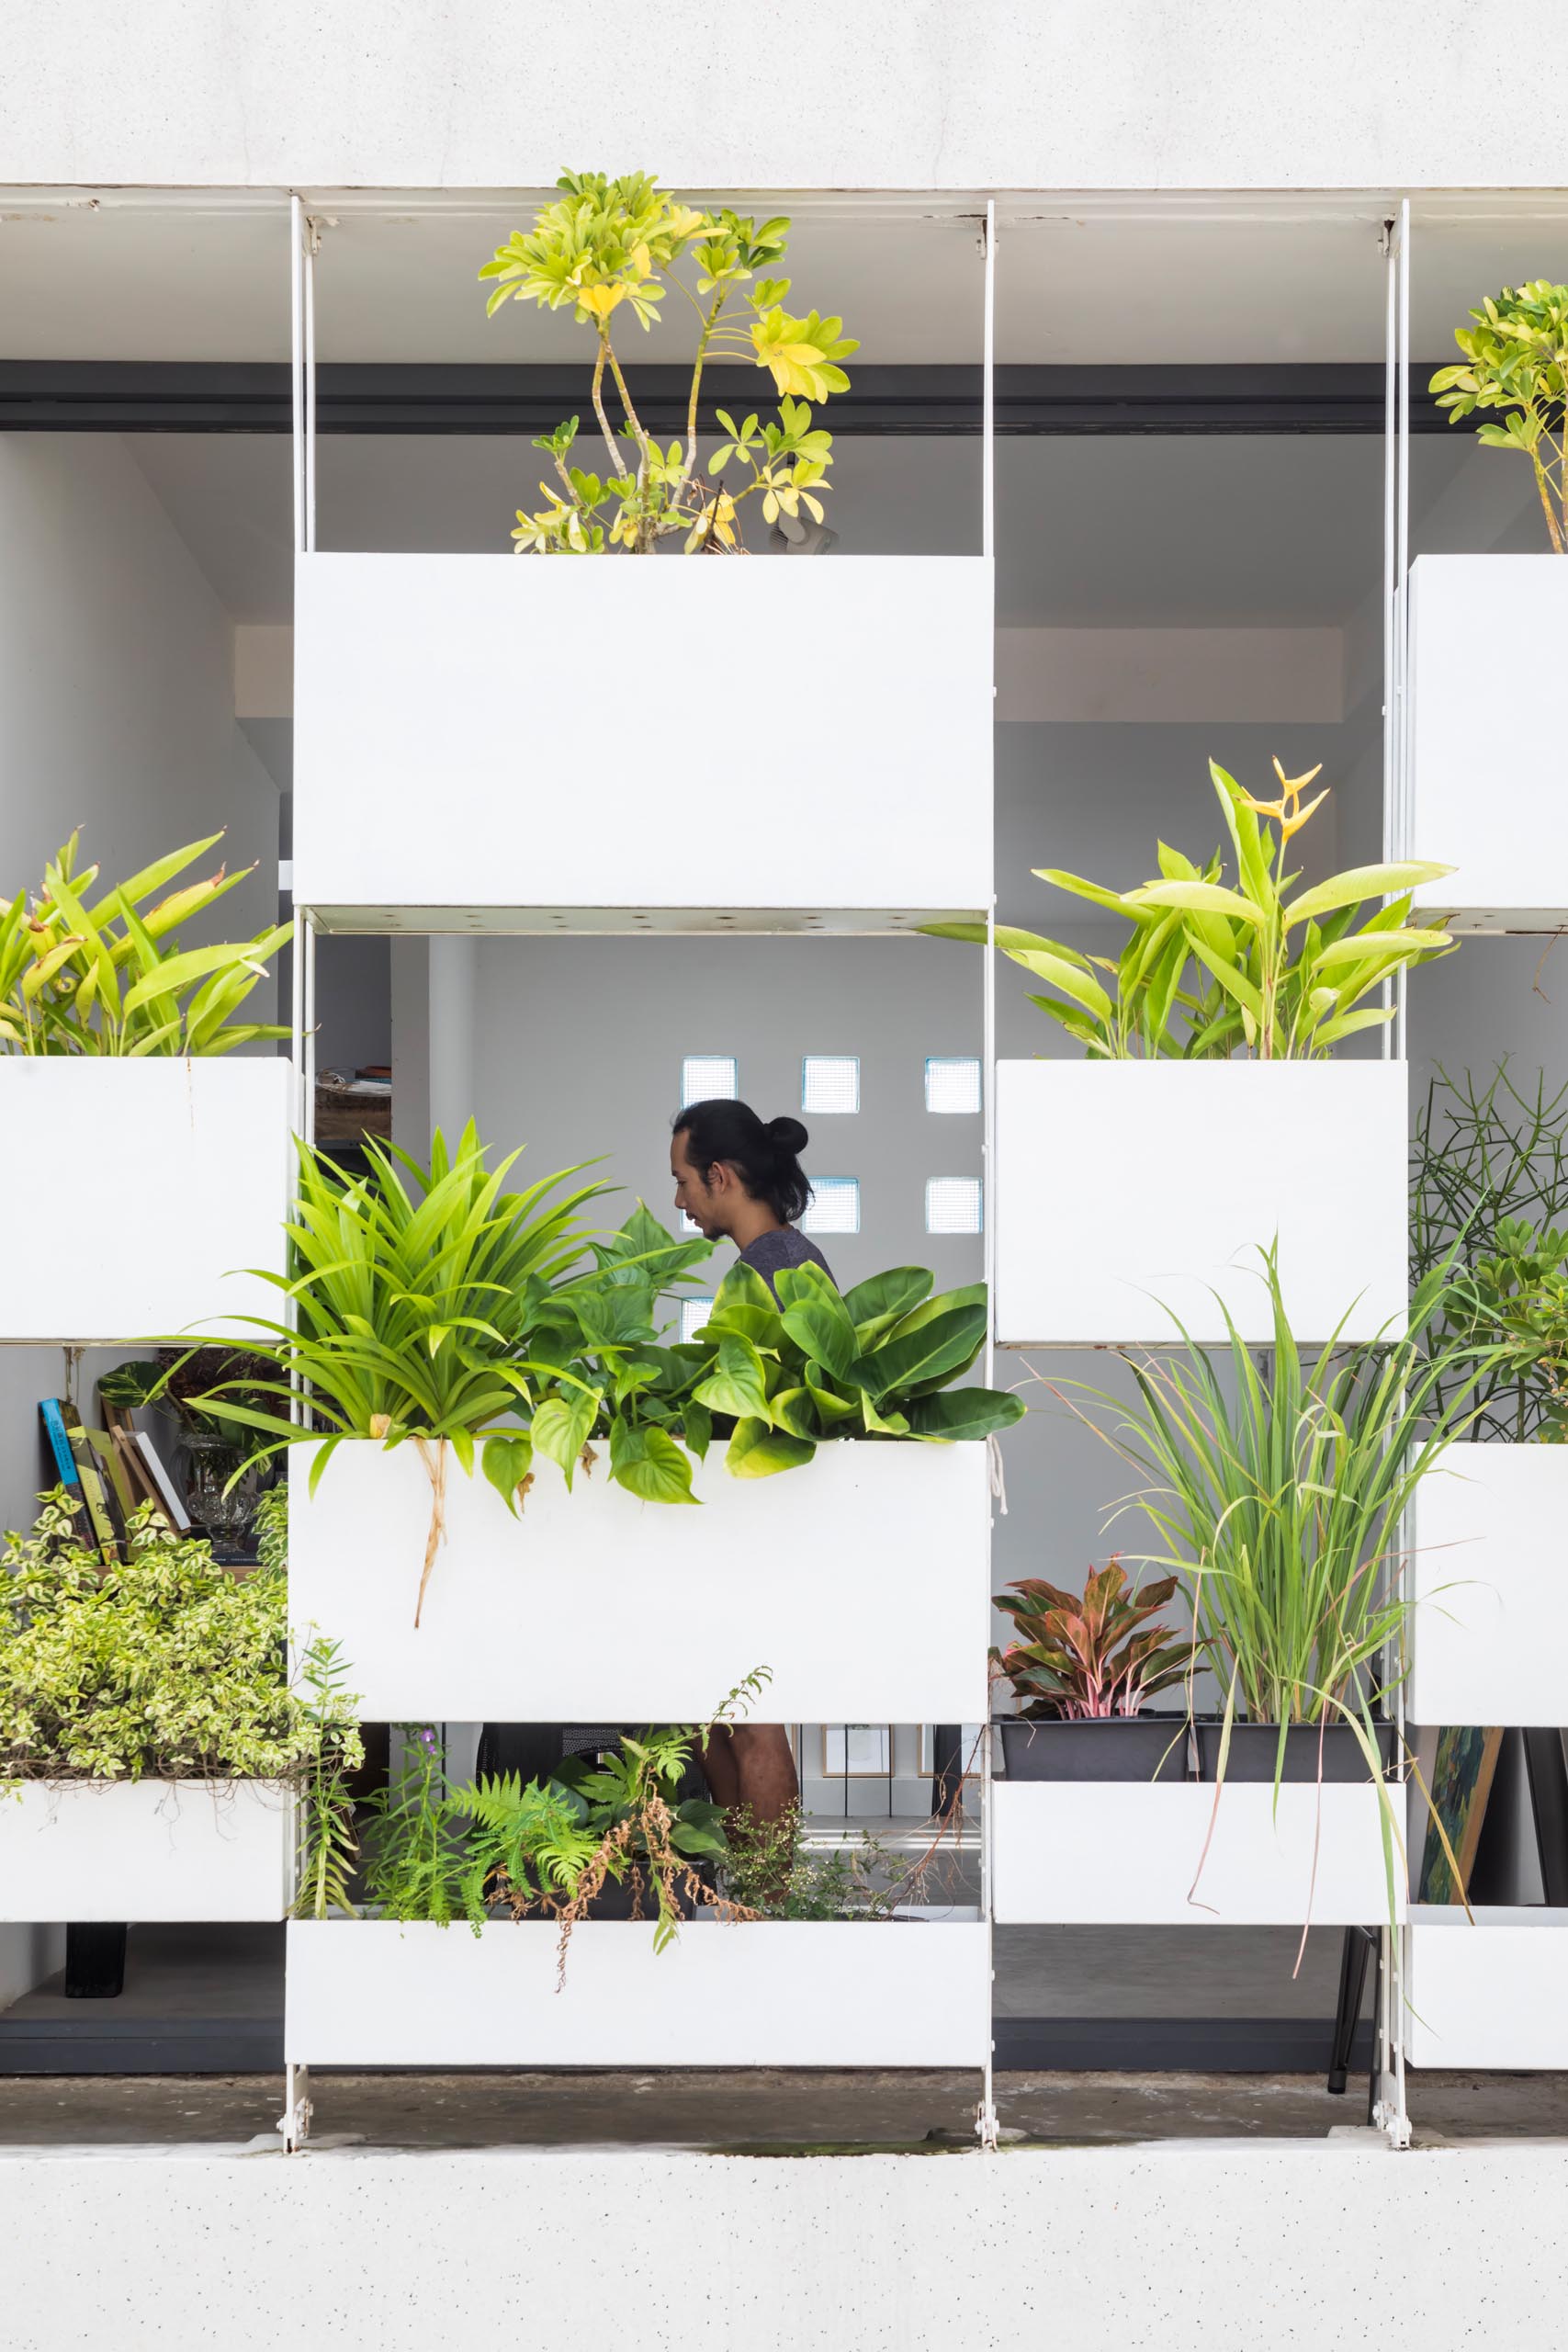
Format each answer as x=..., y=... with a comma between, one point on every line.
x=614, y=1379
x=548, y=1849
x=1489, y=1192
x=447, y=1311
x=80, y=975
x=1277, y=1488
x=608, y=244
x=1516, y=363
x=773, y=1871
x=1091, y=1654
x=810, y=1364
x=329, y=1844
x=163, y=1666
x=414, y=1304
x=1211, y=968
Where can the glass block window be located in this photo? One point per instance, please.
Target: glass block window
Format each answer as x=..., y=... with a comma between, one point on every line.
x=829, y=1082
x=953, y=1204
x=705, y=1077
x=952, y=1082
x=834, y=1206
x=695, y=1313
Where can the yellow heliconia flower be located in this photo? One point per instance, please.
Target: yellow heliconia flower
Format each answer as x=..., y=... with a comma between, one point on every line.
x=1291, y=818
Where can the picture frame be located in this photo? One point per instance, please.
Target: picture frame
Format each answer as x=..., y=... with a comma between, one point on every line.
x=857, y=1751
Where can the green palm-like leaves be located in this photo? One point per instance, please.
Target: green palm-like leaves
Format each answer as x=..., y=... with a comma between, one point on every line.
x=1212, y=970
x=96, y=978
x=416, y=1301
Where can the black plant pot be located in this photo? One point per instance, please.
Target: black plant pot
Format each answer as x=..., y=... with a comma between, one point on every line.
x=1334, y=1754
x=1118, y=1747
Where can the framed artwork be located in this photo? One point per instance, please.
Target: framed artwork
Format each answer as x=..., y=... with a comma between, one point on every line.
x=857, y=1751
x=1462, y=1772
x=968, y=1748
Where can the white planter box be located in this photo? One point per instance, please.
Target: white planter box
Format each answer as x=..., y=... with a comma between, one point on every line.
x=1124, y=1189
x=526, y=745
x=134, y=1193
x=1489, y=1995
x=861, y=1580
x=807, y=1993
x=1127, y=1853
x=145, y=1850
x=1487, y=634
x=1489, y=1572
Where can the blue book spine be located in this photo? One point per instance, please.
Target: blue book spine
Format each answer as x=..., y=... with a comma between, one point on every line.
x=60, y=1445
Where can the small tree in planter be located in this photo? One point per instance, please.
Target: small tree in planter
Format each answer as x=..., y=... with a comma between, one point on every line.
x=608, y=244
x=1515, y=360
x=1085, y=1662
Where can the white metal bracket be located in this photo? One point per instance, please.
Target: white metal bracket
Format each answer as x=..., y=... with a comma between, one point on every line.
x=295, y=2122
x=985, y=2129
x=1388, y=2112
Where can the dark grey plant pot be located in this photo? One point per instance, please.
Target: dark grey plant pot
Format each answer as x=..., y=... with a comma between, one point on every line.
x=1254, y=1748
x=1120, y=1747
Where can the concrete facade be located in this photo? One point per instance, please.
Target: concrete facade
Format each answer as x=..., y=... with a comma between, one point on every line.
x=1133, y=95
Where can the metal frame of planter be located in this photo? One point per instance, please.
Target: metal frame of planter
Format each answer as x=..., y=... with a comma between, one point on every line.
x=903, y=2001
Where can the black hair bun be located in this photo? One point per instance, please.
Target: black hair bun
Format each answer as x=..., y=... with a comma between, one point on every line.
x=789, y=1135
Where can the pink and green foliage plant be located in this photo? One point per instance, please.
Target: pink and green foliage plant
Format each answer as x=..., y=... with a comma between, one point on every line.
x=1087, y=1658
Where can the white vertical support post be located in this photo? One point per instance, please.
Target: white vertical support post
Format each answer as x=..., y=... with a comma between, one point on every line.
x=307, y=945
x=297, y=363
x=309, y=247
x=1400, y=780
x=986, y=2120
x=1388, y=2104
x=294, y=2123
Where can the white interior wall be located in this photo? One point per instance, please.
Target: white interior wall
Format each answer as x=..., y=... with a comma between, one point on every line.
x=115, y=713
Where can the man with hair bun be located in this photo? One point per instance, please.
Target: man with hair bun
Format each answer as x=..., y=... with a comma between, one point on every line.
x=739, y=1178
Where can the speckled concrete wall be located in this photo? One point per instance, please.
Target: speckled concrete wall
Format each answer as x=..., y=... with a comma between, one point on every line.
x=1049, y=93
x=1234, y=2247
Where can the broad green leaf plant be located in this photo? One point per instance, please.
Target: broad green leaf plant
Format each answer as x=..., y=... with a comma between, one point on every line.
x=163, y=1666
x=1516, y=365
x=809, y=1365
x=431, y=1305
x=1212, y=967
x=84, y=973
x=611, y=246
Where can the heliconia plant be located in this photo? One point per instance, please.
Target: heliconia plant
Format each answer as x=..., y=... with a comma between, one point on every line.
x=607, y=244
x=1085, y=1657
x=1213, y=968
x=85, y=975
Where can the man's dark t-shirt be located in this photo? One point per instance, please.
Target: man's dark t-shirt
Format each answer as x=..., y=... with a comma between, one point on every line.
x=771, y=1252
